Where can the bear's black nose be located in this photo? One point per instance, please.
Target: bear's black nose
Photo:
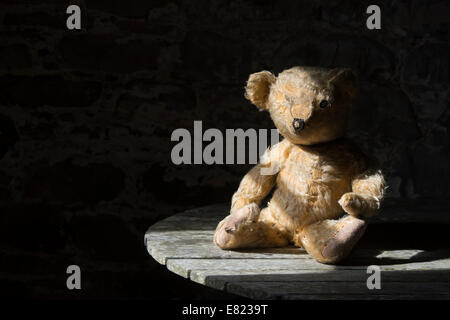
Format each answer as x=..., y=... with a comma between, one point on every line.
x=298, y=124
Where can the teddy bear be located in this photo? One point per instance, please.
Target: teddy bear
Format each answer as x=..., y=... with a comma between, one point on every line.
x=324, y=186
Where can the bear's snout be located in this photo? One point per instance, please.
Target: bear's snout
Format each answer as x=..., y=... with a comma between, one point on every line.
x=298, y=124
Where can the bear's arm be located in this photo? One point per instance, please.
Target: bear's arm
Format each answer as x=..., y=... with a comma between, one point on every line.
x=368, y=187
x=260, y=180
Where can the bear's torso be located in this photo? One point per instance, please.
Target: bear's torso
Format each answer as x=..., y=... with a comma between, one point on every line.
x=311, y=180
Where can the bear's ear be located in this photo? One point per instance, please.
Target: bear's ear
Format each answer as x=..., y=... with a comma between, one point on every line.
x=345, y=81
x=258, y=88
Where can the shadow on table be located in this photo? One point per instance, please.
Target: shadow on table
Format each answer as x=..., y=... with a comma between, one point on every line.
x=429, y=239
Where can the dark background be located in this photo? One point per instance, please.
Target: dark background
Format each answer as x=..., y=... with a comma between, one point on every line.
x=86, y=119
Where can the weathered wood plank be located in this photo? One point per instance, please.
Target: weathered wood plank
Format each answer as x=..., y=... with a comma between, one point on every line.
x=218, y=279
x=184, y=266
x=277, y=290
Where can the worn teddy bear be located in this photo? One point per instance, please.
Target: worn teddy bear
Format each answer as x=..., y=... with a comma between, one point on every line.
x=325, y=186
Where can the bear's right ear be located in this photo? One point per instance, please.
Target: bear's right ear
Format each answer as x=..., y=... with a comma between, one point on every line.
x=258, y=88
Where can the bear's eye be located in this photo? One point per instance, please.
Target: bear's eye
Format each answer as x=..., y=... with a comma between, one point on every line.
x=323, y=104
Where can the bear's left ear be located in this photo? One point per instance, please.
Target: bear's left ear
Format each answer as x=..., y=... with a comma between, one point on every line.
x=345, y=81
x=258, y=88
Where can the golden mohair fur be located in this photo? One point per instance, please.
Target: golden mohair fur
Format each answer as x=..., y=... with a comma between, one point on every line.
x=324, y=185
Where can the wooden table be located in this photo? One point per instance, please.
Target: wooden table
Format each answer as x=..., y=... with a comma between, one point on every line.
x=410, y=243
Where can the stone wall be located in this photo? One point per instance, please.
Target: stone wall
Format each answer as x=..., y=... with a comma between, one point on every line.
x=86, y=118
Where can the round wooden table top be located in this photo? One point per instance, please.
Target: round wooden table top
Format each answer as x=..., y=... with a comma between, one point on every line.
x=408, y=270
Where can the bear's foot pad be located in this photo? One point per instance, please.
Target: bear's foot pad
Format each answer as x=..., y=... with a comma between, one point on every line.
x=228, y=227
x=345, y=239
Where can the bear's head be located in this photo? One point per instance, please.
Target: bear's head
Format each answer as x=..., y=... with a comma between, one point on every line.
x=308, y=105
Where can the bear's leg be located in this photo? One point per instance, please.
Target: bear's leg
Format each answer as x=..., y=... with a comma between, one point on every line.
x=245, y=229
x=330, y=241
